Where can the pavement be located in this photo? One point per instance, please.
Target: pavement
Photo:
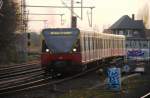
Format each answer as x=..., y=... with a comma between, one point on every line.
x=143, y=86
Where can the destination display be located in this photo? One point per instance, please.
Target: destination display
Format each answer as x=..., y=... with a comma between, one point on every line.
x=60, y=33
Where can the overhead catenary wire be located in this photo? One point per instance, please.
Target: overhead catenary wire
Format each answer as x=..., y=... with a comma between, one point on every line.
x=44, y=6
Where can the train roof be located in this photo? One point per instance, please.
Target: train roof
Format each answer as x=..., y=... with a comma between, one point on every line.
x=60, y=29
x=85, y=32
x=94, y=33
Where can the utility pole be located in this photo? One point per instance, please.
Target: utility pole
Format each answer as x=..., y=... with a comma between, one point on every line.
x=23, y=29
x=24, y=17
x=91, y=17
x=81, y=9
x=72, y=11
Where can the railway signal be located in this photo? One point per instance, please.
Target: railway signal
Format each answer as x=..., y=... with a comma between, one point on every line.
x=74, y=22
x=28, y=37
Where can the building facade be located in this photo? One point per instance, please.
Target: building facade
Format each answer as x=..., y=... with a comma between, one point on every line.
x=129, y=27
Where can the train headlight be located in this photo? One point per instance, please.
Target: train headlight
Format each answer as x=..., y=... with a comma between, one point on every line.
x=74, y=50
x=47, y=50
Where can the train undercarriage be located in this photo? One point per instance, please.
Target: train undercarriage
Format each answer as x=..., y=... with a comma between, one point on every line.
x=69, y=68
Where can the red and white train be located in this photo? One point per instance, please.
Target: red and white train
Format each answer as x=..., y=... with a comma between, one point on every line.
x=69, y=49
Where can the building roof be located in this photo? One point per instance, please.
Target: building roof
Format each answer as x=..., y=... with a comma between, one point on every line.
x=125, y=22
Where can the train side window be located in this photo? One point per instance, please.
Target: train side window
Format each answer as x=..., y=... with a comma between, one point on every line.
x=91, y=46
x=78, y=45
x=84, y=41
x=101, y=40
x=104, y=44
x=113, y=44
x=99, y=43
x=89, y=41
x=44, y=46
x=93, y=43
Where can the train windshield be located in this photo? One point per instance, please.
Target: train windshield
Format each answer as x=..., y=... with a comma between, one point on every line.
x=60, y=40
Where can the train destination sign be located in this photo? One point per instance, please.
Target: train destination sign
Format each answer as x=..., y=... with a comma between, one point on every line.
x=60, y=33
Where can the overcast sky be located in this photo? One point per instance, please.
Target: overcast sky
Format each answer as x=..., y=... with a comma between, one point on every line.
x=106, y=12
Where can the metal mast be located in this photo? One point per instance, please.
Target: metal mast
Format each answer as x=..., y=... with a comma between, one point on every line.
x=72, y=11
x=24, y=16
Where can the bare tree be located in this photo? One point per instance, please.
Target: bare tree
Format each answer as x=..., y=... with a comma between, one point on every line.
x=8, y=25
x=144, y=15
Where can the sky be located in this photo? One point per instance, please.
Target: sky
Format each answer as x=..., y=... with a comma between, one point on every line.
x=105, y=13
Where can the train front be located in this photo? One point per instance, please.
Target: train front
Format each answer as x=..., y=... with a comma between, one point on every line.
x=61, y=49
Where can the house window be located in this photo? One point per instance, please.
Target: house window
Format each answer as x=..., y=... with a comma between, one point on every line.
x=121, y=32
x=129, y=33
x=135, y=33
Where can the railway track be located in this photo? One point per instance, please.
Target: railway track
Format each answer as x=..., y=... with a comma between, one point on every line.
x=37, y=82
x=20, y=74
x=14, y=66
x=35, y=79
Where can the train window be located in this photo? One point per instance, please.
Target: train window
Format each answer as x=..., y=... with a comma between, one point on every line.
x=104, y=44
x=88, y=43
x=82, y=43
x=98, y=45
x=99, y=40
x=44, y=46
x=91, y=43
x=114, y=44
x=119, y=45
x=77, y=46
x=87, y=46
x=117, y=41
x=108, y=43
x=84, y=40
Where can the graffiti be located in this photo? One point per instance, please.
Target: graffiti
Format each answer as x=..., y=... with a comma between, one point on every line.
x=114, y=76
x=135, y=53
x=138, y=49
